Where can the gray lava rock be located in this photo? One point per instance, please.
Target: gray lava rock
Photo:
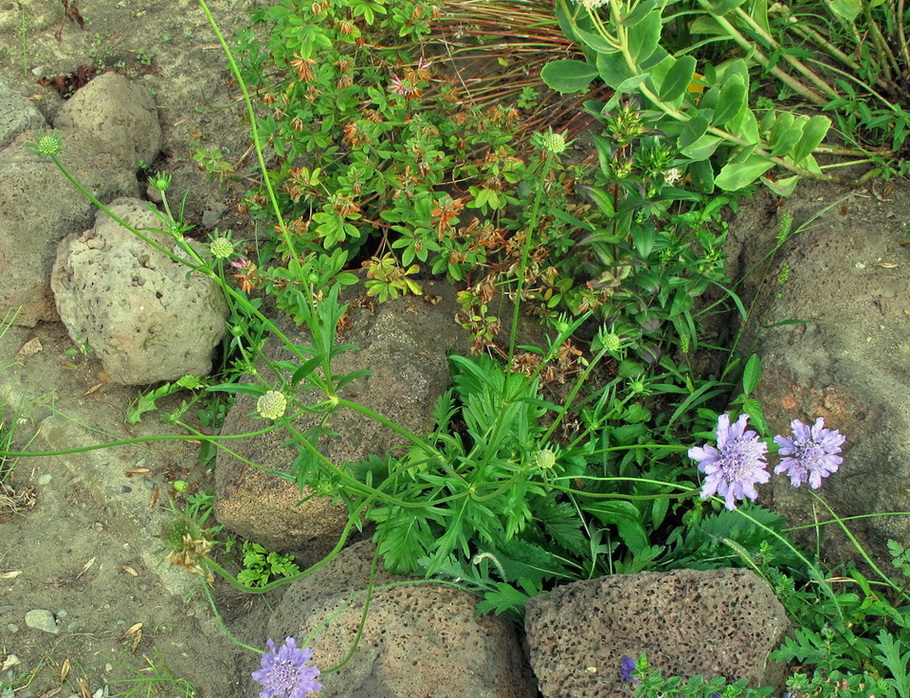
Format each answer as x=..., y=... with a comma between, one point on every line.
x=419, y=639
x=38, y=207
x=17, y=114
x=42, y=619
x=119, y=115
x=688, y=622
x=112, y=123
x=830, y=324
x=146, y=319
x=404, y=345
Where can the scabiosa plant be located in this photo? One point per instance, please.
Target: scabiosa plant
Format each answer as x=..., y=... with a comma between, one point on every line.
x=736, y=465
x=272, y=405
x=626, y=667
x=286, y=673
x=810, y=454
x=221, y=247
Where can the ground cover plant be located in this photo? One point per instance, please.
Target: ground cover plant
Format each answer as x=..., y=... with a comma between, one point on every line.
x=609, y=450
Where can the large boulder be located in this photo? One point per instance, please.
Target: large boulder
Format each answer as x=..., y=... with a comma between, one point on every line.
x=142, y=313
x=419, y=639
x=17, y=114
x=829, y=322
x=119, y=116
x=107, y=127
x=403, y=343
x=688, y=622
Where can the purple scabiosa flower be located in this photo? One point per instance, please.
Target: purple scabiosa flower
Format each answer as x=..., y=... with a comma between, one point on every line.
x=626, y=667
x=285, y=674
x=736, y=465
x=810, y=453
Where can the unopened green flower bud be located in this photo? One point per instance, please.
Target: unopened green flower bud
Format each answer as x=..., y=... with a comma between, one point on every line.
x=160, y=181
x=553, y=142
x=48, y=144
x=612, y=342
x=271, y=405
x=544, y=459
x=221, y=248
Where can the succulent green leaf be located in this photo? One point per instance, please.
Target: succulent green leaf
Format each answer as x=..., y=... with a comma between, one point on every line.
x=703, y=148
x=814, y=132
x=678, y=79
x=722, y=7
x=613, y=69
x=734, y=176
x=847, y=10
x=644, y=36
x=638, y=13
x=567, y=75
x=702, y=174
x=782, y=187
x=731, y=101
x=785, y=134
x=693, y=130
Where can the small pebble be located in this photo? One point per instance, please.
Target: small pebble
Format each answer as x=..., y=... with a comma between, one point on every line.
x=210, y=218
x=42, y=619
x=44, y=479
x=12, y=627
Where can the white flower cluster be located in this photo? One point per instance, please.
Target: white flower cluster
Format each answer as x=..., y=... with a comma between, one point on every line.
x=592, y=4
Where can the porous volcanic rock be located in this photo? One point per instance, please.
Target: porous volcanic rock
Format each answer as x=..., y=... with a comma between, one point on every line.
x=419, y=639
x=829, y=322
x=688, y=622
x=403, y=343
x=144, y=316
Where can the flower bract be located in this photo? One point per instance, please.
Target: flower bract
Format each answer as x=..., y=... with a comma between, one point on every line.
x=810, y=454
x=736, y=465
x=286, y=673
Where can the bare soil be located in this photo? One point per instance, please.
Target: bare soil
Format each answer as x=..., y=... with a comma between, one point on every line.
x=79, y=533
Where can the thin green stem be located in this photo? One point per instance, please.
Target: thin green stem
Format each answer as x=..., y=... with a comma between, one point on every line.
x=254, y=129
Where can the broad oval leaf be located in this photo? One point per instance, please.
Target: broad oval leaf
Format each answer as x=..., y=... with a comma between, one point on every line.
x=567, y=75
x=703, y=148
x=731, y=101
x=694, y=129
x=678, y=78
x=613, y=69
x=814, y=132
x=737, y=175
x=644, y=36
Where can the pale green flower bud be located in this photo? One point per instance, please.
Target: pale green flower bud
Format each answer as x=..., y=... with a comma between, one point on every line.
x=553, y=142
x=612, y=342
x=272, y=405
x=221, y=248
x=544, y=459
x=161, y=181
x=48, y=144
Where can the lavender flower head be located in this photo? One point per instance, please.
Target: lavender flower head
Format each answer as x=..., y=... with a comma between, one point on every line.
x=810, y=453
x=626, y=667
x=285, y=674
x=736, y=465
